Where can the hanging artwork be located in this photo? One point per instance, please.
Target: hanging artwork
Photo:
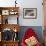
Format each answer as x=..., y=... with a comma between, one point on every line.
x=30, y=13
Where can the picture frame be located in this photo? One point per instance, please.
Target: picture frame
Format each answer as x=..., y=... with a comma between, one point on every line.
x=13, y=12
x=5, y=12
x=29, y=13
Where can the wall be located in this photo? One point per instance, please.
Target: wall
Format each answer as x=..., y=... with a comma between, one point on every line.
x=27, y=4
x=32, y=4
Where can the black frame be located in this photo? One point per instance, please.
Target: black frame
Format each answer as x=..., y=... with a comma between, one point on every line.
x=24, y=9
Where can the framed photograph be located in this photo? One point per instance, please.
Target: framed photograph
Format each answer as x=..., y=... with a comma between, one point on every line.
x=5, y=12
x=30, y=13
x=13, y=12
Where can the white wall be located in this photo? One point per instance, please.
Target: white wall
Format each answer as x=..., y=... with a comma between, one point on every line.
x=27, y=4
x=32, y=4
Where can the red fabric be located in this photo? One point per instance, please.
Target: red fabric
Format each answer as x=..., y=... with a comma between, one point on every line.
x=29, y=33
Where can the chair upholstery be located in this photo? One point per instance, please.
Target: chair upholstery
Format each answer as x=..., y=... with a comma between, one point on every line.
x=29, y=33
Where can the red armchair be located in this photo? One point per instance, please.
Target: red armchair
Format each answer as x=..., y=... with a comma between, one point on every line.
x=29, y=36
